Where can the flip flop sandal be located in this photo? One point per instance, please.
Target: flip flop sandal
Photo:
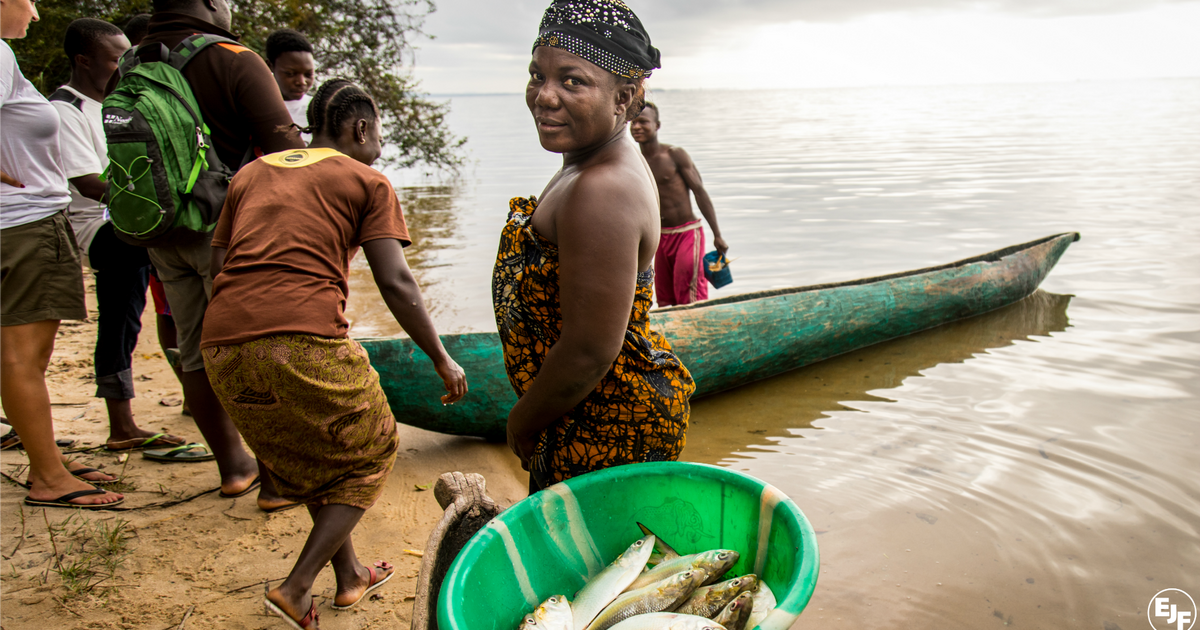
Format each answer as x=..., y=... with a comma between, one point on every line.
x=281, y=508
x=174, y=356
x=183, y=453
x=11, y=440
x=382, y=565
x=65, y=501
x=80, y=472
x=250, y=488
x=309, y=621
x=134, y=444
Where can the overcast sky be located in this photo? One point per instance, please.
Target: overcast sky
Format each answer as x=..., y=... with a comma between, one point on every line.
x=483, y=46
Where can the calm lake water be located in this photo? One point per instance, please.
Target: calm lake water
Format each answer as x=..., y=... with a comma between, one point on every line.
x=1035, y=467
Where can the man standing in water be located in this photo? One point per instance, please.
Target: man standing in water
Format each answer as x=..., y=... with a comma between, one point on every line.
x=678, y=275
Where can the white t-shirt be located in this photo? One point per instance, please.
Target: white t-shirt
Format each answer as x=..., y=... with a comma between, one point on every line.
x=84, y=152
x=28, y=149
x=299, y=111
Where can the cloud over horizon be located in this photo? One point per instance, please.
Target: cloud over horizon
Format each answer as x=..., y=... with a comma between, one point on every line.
x=488, y=21
x=483, y=45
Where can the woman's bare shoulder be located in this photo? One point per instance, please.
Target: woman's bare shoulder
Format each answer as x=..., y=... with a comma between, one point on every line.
x=614, y=183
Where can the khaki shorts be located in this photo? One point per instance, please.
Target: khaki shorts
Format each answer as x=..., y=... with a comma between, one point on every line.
x=185, y=276
x=41, y=274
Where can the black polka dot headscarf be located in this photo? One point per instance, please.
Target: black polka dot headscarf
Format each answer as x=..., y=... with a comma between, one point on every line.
x=604, y=32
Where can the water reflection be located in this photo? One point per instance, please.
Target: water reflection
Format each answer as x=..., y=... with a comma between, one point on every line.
x=431, y=214
x=1044, y=484
x=780, y=406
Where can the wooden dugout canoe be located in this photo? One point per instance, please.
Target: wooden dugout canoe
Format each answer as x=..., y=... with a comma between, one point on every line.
x=736, y=340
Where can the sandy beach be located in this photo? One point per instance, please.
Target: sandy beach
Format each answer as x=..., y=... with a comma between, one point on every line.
x=200, y=557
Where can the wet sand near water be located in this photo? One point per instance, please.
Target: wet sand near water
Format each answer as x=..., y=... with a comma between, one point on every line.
x=208, y=555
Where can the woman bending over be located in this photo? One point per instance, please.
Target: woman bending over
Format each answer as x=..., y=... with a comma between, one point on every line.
x=300, y=391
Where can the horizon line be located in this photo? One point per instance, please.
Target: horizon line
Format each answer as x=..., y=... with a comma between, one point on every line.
x=858, y=87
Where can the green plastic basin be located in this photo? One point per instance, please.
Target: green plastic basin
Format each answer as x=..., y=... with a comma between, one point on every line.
x=551, y=542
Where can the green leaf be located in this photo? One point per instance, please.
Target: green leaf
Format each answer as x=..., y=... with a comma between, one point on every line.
x=369, y=42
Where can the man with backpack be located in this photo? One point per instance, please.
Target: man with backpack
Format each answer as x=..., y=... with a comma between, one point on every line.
x=244, y=116
x=93, y=48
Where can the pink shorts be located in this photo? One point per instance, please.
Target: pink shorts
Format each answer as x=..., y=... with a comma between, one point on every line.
x=678, y=274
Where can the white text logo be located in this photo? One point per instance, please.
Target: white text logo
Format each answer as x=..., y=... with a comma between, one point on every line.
x=1171, y=608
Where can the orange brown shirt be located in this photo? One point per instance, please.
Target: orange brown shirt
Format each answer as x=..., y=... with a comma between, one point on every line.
x=291, y=224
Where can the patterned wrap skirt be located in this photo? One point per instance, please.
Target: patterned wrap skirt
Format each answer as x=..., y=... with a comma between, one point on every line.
x=312, y=410
x=637, y=413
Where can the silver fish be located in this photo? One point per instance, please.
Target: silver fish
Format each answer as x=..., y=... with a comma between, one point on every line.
x=662, y=551
x=601, y=590
x=715, y=562
x=764, y=603
x=735, y=615
x=668, y=621
x=553, y=614
x=657, y=597
x=707, y=601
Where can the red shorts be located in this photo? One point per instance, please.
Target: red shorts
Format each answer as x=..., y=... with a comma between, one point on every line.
x=160, y=296
x=678, y=271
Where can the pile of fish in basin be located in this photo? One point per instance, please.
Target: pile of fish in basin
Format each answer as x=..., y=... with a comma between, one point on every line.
x=651, y=587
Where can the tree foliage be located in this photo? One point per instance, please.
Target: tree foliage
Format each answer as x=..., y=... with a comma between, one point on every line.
x=367, y=41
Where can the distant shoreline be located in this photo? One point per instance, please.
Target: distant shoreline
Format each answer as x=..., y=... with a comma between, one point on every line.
x=849, y=87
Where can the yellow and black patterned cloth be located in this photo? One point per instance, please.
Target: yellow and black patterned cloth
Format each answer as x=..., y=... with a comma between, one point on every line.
x=312, y=410
x=638, y=412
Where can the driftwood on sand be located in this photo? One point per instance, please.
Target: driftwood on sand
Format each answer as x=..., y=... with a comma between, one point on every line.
x=468, y=509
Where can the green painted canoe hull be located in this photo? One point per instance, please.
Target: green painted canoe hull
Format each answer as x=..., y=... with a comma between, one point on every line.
x=732, y=341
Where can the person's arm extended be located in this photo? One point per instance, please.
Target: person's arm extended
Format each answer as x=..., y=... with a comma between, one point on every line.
x=10, y=180
x=691, y=177
x=403, y=297
x=89, y=186
x=598, y=266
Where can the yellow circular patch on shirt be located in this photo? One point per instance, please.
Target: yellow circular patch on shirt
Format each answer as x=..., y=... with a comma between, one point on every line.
x=297, y=158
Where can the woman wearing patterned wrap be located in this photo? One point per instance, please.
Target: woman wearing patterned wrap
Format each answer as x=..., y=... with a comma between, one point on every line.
x=275, y=345
x=573, y=277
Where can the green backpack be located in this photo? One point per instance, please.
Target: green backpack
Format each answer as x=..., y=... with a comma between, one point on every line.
x=166, y=184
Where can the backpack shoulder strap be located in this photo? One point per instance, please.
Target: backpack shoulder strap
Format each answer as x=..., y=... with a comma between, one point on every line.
x=129, y=60
x=190, y=47
x=66, y=96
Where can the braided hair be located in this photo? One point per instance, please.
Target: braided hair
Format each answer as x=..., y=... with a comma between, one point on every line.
x=336, y=102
